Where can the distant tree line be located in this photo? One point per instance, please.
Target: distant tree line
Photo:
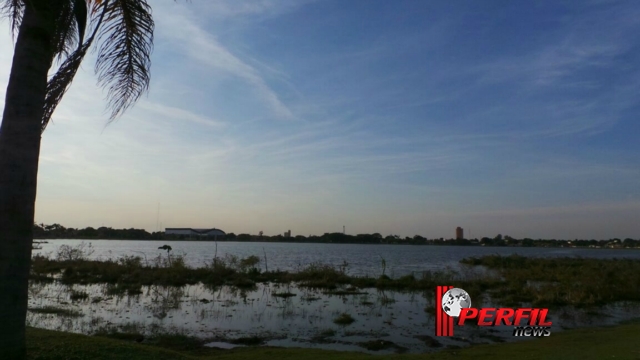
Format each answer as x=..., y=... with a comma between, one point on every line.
x=57, y=231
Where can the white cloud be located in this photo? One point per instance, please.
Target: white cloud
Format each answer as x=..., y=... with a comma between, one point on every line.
x=178, y=114
x=181, y=28
x=233, y=8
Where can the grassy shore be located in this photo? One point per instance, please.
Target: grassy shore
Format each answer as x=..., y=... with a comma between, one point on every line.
x=619, y=342
x=511, y=280
x=506, y=280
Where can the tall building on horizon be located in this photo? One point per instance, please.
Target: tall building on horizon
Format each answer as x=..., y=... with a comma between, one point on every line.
x=459, y=233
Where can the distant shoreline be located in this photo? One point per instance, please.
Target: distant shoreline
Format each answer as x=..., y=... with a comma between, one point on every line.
x=57, y=231
x=537, y=243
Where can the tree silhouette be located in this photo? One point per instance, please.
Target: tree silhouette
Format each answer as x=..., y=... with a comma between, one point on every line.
x=46, y=31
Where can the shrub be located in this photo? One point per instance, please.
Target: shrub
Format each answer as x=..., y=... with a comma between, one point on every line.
x=344, y=319
x=81, y=251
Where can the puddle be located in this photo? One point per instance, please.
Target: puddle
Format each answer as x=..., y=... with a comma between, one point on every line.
x=222, y=345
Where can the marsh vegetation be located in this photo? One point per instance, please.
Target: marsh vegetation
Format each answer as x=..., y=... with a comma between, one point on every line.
x=235, y=300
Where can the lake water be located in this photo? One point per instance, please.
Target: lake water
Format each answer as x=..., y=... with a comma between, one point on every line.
x=362, y=259
x=306, y=319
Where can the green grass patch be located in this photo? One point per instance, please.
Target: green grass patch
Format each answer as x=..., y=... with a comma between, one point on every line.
x=56, y=311
x=283, y=294
x=377, y=345
x=78, y=295
x=248, y=341
x=510, y=281
x=619, y=342
x=556, y=282
x=344, y=319
x=350, y=291
x=429, y=341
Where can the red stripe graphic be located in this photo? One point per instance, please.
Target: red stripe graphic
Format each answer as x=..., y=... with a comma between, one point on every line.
x=444, y=315
x=438, y=310
x=444, y=322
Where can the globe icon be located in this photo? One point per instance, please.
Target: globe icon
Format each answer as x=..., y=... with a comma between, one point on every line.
x=455, y=300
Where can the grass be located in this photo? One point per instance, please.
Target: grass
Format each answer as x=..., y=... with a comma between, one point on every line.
x=127, y=336
x=512, y=280
x=124, y=288
x=323, y=338
x=429, y=341
x=344, y=319
x=56, y=311
x=556, y=282
x=248, y=341
x=78, y=295
x=618, y=342
x=377, y=345
x=127, y=275
x=347, y=291
x=327, y=333
x=283, y=294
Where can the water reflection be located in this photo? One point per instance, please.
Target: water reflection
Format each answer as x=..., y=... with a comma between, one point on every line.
x=361, y=259
x=283, y=315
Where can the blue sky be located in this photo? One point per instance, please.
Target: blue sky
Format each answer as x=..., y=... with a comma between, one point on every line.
x=398, y=117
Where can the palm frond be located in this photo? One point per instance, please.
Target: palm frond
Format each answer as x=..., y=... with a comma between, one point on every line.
x=69, y=27
x=13, y=9
x=65, y=30
x=94, y=5
x=124, y=55
x=80, y=15
x=59, y=83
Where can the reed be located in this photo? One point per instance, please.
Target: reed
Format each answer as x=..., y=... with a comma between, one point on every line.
x=506, y=280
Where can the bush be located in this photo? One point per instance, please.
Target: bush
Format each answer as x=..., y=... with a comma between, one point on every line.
x=344, y=319
x=249, y=263
x=81, y=251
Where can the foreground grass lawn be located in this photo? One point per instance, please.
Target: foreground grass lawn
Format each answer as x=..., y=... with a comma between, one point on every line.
x=620, y=342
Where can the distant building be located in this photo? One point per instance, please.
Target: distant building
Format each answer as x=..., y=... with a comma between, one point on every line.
x=459, y=233
x=287, y=234
x=214, y=233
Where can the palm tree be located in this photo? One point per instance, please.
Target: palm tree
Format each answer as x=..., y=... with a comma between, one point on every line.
x=49, y=32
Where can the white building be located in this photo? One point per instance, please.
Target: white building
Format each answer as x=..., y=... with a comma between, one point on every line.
x=195, y=232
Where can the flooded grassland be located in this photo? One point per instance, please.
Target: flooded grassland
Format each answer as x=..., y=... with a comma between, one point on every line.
x=235, y=302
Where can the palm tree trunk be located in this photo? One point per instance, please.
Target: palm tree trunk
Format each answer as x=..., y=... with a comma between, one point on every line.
x=19, y=151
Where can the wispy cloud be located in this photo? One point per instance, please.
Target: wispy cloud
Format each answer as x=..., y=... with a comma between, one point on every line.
x=561, y=83
x=178, y=114
x=236, y=8
x=181, y=28
x=400, y=129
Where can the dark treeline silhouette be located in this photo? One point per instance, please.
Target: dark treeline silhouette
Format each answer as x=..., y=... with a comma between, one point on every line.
x=57, y=231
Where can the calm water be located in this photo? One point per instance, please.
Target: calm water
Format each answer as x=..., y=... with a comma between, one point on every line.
x=304, y=320
x=361, y=259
